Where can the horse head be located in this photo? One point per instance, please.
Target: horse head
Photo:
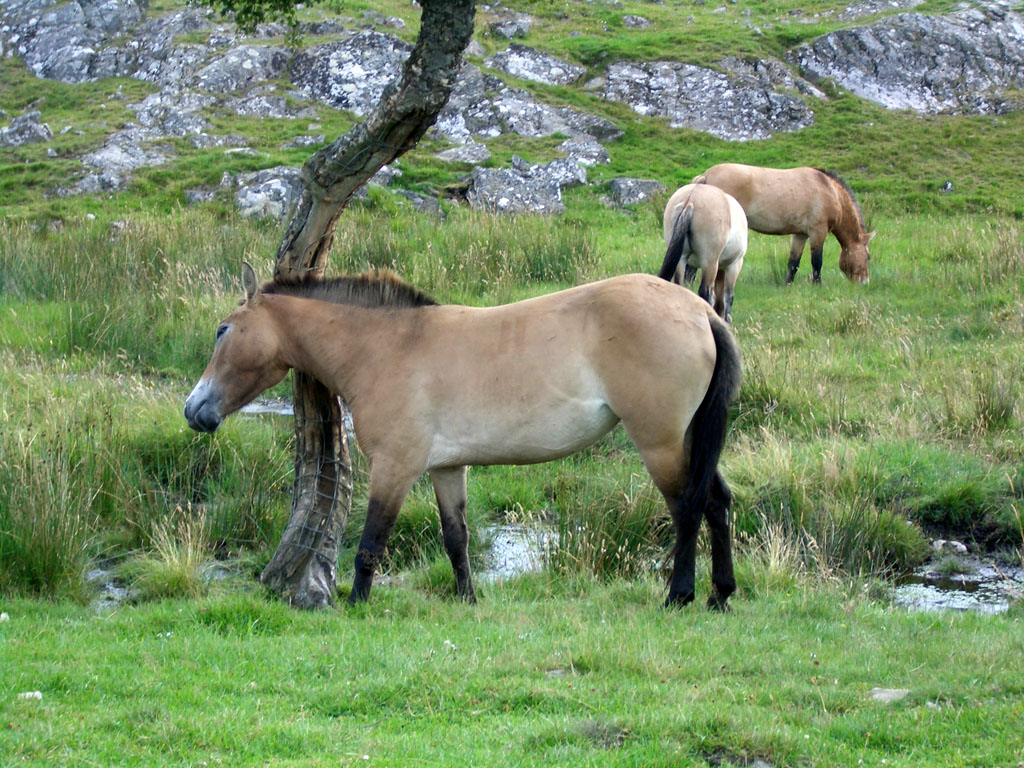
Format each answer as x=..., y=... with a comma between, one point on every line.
x=854, y=257
x=245, y=361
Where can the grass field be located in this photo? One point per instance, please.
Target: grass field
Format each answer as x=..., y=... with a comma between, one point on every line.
x=871, y=418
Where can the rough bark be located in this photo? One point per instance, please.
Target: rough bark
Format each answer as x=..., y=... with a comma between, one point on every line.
x=304, y=567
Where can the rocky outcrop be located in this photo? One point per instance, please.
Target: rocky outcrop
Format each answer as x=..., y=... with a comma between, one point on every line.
x=742, y=103
x=511, y=25
x=242, y=67
x=961, y=63
x=626, y=191
x=524, y=188
x=351, y=74
x=971, y=60
x=25, y=129
x=482, y=106
x=528, y=64
x=270, y=193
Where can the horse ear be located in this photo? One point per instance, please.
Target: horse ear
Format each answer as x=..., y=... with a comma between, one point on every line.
x=249, y=283
x=871, y=235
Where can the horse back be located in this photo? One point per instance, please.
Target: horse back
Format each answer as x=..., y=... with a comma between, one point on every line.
x=779, y=201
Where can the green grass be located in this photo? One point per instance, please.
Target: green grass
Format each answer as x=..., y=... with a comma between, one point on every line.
x=535, y=675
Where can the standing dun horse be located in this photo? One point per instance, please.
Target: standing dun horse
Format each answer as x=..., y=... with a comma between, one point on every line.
x=436, y=388
x=705, y=228
x=806, y=203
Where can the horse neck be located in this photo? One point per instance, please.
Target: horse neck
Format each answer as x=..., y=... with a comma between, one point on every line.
x=848, y=228
x=327, y=341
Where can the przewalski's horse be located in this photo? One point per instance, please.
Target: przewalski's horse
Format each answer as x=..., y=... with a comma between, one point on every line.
x=705, y=228
x=436, y=388
x=806, y=203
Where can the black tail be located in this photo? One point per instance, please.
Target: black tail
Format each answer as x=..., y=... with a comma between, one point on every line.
x=710, y=422
x=677, y=243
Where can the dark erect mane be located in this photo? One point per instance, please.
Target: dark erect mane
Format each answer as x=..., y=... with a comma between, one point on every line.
x=377, y=288
x=846, y=187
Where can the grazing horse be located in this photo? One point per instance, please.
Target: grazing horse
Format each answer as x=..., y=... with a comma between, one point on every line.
x=436, y=388
x=706, y=228
x=806, y=203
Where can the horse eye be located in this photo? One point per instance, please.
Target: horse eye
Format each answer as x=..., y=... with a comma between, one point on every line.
x=221, y=331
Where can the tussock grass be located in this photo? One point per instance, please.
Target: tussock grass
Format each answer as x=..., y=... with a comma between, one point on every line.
x=177, y=563
x=610, y=529
x=47, y=519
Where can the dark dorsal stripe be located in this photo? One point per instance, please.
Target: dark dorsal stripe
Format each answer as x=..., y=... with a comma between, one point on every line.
x=849, y=191
x=378, y=288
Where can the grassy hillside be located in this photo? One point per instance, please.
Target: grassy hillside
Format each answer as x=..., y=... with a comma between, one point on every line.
x=870, y=418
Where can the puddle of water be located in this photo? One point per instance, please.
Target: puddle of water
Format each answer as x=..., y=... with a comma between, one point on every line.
x=278, y=407
x=986, y=588
x=515, y=550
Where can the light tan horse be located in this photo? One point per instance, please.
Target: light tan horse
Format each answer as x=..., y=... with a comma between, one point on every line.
x=806, y=203
x=705, y=228
x=436, y=388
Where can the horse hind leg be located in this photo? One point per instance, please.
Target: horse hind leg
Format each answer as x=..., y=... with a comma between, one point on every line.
x=681, y=589
x=723, y=581
x=450, y=490
x=667, y=468
x=708, y=279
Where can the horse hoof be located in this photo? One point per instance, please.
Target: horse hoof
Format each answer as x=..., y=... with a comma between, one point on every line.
x=718, y=603
x=678, y=601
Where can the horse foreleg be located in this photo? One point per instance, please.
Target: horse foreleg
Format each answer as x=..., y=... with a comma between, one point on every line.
x=689, y=272
x=717, y=514
x=450, y=489
x=385, y=502
x=796, y=250
x=817, y=246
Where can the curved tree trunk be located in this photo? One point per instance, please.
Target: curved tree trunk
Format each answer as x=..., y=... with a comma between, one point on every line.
x=304, y=567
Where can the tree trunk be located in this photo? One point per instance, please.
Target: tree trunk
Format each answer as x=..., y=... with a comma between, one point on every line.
x=304, y=567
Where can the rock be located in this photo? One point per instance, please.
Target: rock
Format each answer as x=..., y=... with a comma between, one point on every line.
x=385, y=176
x=626, y=191
x=872, y=7
x=121, y=154
x=512, y=25
x=353, y=73
x=520, y=113
x=969, y=61
x=524, y=188
x=481, y=105
x=423, y=203
x=305, y=141
x=173, y=114
x=267, y=105
x=270, y=193
x=242, y=67
x=585, y=151
x=888, y=695
x=631, y=21
x=528, y=64
x=67, y=43
x=949, y=546
x=738, y=106
x=199, y=195
x=25, y=129
x=471, y=152
x=470, y=110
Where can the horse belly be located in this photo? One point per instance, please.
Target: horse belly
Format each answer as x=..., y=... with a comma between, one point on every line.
x=524, y=434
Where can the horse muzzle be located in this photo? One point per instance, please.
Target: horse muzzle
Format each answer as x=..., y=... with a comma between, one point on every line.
x=202, y=408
